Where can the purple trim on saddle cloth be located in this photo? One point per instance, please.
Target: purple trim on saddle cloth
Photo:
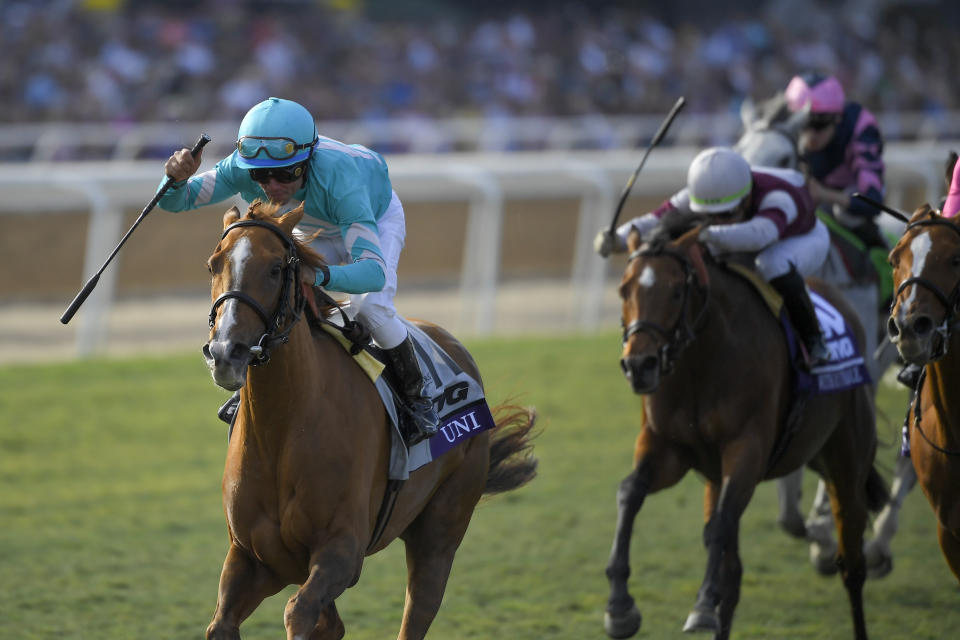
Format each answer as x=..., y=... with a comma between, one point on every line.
x=462, y=425
x=846, y=368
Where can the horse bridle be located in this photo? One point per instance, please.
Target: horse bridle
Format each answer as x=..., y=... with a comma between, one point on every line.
x=272, y=336
x=674, y=339
x=951, y=302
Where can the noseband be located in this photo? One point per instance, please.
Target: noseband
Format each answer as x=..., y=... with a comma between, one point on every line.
x=272, y=336
x=674, y=339
x=951, y=303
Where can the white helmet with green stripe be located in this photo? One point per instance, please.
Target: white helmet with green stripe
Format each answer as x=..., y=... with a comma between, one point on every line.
x=275, y=133
x=718, y=179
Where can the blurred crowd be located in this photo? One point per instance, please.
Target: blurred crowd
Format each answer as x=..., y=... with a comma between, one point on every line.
x=116, y=61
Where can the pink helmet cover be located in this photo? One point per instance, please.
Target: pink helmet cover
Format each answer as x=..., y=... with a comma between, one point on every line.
x=823, y=95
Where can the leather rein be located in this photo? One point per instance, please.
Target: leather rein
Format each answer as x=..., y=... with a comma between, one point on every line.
x=286, y=312
x=682, y=333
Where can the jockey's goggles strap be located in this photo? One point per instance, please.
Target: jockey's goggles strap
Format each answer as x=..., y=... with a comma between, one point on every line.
x=275, y=148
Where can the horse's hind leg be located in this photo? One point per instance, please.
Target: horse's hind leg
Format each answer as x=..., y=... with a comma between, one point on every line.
x=877, y=550
x=656, y=468
x=820, y=533
x=431, y=542
x=789, y=493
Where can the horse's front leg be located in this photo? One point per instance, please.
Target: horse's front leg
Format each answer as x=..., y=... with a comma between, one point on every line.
x=333, y=568
x=877, y=550
x=657, y=467
x=244, y=583
x=742, y=468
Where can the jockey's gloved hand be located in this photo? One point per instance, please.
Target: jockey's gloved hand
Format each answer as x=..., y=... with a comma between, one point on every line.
x=606, y=243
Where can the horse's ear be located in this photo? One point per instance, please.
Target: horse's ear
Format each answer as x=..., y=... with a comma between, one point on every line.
x=951, y=163
x=290, y=219
x=795, y=122
x=231, y=216
x=925, y=211
x=634, y=240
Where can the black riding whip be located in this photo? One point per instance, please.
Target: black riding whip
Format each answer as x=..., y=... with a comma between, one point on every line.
x=92, y=282
x=896, y=213
x=657, y=137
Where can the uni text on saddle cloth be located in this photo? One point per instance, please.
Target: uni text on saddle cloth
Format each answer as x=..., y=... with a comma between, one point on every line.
x=458, y=398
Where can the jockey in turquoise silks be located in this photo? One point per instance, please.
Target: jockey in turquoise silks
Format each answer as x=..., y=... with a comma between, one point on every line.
x=352, y=217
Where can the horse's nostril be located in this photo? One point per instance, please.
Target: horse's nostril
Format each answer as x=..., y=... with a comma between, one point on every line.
x=649, y=364
x=922, y=326
x=206, y=352
x=239, y=351
x=892, y=329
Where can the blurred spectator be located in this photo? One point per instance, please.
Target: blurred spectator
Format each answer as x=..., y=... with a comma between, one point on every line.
x=116, y=61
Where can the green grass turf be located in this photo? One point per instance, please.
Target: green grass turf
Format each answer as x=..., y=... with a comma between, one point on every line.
x=111, y=524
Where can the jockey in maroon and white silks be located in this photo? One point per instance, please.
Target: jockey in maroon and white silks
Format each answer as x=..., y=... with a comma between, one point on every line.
x=780, y=225
x=842, y=148
x=766, y=212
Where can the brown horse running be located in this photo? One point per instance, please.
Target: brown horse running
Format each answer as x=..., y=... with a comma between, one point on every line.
x=926, y=274
x=306, y=466
x=712, y=365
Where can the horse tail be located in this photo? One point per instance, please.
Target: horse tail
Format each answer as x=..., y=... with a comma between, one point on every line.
x=878, y=494
x=512, y=463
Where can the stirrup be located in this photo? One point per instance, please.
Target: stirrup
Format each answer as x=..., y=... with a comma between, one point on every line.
x=423, y=421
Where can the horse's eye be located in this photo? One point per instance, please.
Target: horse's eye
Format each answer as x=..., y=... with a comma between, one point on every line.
x=276, y=270
x=955, y=261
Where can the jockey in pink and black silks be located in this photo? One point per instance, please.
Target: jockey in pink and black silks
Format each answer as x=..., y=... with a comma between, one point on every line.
x=842, y=148
x=951, y=206
x=765, y=212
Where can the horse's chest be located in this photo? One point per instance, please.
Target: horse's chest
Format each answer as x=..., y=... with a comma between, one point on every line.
x=264, y=529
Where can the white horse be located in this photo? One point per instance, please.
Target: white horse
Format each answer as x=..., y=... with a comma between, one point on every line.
x=770, y=139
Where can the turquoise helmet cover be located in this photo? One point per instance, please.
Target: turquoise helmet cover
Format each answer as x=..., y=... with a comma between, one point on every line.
x=277, y=118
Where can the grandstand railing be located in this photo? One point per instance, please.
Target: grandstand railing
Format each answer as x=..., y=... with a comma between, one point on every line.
x=104, y=190
x=53, y=141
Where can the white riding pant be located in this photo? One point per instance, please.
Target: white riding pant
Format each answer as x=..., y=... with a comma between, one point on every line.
x=375, y=308
x=806, y=253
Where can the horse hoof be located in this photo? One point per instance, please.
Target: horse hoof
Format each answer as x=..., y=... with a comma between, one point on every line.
x=623, y=625
x=700, y=620
x=794, y=526
x=823, y=559
x=879, y=565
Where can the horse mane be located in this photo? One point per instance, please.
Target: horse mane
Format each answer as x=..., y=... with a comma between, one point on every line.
x=269, y=212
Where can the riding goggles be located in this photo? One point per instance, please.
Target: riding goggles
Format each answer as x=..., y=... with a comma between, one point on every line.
x=819, y=123
x=275, y=148
x=280, y=174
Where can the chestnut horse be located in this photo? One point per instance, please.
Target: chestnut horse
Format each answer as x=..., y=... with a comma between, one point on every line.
x=306, y=466
x=712, y=365
x=926, y=274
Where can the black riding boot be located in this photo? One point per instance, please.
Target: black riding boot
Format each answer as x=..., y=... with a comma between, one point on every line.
x=425, y=421
x=804, y=318
x=228, y=411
